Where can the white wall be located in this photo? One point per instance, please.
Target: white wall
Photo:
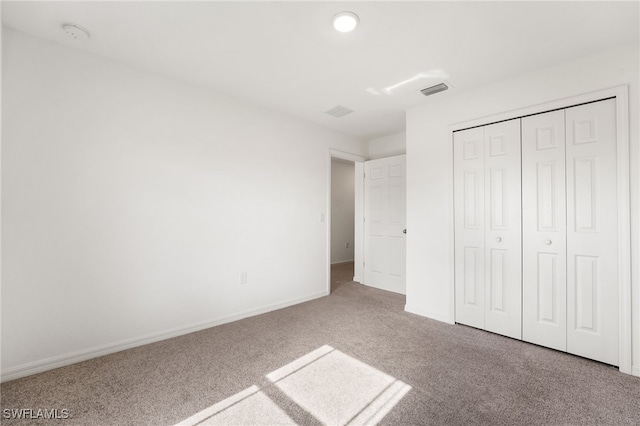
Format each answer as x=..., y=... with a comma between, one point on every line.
x=388, y=146
x=429, y=168
x=1, y=55
x=342, y=211
x=132, y=203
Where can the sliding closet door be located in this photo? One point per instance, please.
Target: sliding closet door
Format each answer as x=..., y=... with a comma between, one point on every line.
x=592, y=273
x=468, y=146
x=544, y=319
x=502, y=266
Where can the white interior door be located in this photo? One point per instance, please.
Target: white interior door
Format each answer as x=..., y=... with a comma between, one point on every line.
x=468, y=154
x=384, y=224
x=544, y=312
x=592, y=273
x=502, y=239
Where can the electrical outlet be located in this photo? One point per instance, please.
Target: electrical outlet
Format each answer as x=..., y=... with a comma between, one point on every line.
x=243, y=277
x=346, y=244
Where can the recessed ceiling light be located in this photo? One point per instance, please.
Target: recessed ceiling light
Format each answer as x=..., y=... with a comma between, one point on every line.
x=345, y=21
x=76, y=31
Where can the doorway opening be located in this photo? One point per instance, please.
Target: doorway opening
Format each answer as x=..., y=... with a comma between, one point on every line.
x=342, y=248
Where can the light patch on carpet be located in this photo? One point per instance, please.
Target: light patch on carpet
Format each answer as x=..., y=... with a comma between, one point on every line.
x=258, y=409
x=382, y=405
x=331, y=386
x=299, y=363
x=248, y=407
x=338, y=389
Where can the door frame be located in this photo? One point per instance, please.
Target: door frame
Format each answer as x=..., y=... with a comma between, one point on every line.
x=625, y=304
x=358, y=240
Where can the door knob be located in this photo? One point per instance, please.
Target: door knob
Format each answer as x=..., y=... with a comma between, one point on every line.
x=404, y=231
x=499, y=239
x=548, y=242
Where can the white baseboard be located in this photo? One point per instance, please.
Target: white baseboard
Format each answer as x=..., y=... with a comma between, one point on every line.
x=431, y=315
x=71, y=358
x=635, y=370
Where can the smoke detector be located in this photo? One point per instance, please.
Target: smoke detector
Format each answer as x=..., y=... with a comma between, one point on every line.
x=76, y=31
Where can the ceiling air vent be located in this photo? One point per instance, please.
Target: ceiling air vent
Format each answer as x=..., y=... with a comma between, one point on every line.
x=434, y=89
x=339, y=111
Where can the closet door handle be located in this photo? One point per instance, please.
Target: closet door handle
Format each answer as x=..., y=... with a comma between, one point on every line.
x=548, y=242
x=499, y=239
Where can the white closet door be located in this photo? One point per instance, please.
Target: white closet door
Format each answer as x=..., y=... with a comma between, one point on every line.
x=502, y=239
x=468, y=148
x=544, y=230
x=592, y=257
x=384, y=256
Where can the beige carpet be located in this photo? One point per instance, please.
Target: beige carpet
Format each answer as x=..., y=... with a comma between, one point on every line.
x=341, y=273
x=354, y=356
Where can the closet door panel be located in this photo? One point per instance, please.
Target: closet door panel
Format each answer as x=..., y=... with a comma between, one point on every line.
x=544, y=230
x=592, y=279
x=469, y=189
x=502, y=247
